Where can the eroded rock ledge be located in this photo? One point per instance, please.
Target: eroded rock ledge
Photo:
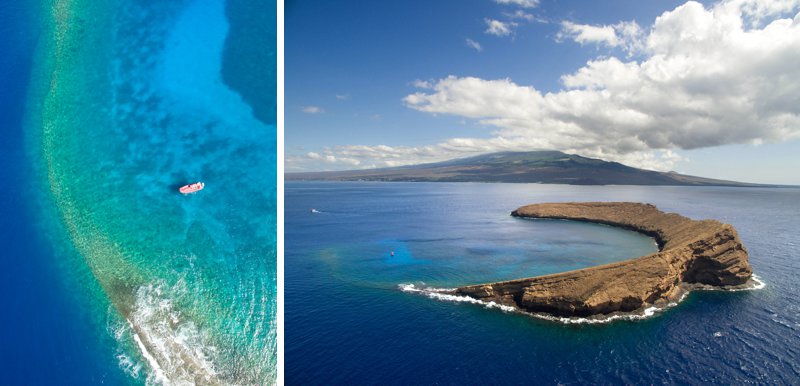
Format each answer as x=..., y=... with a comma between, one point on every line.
x=691, y=252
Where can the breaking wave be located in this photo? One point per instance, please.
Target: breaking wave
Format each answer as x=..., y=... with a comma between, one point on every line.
x=439, y=294
x=443, y=294
x=175, y=350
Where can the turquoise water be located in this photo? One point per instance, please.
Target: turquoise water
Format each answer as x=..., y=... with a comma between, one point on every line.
x=128, y=103
x=350, y=318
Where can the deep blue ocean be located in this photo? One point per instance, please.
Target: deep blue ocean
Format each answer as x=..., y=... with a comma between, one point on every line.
x=45, y=332
x=348, y=322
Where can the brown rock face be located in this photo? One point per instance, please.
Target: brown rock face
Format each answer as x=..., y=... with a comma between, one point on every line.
x=690, y=252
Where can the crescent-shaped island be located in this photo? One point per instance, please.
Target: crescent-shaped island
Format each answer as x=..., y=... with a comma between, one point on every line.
x=691, y=254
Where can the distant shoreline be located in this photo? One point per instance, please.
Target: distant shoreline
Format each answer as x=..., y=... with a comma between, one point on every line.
x=545, y=167
x=768, y=186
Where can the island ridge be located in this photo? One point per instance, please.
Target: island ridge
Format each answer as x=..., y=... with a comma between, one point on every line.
x=691, y=254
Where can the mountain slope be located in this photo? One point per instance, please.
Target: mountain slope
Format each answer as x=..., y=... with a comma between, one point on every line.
x=549, y=167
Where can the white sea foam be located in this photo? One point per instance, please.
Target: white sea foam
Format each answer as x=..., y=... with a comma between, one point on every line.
x=444, y=294
x=755, y=283
x=643, y=314
x=759, y=284
x=129, y=366
x=176, y=351
x=467, y=299
x=157, y=372
x=413, y=288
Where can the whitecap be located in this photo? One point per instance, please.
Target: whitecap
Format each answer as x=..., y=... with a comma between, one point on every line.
x=175, y=350
x=445, y=294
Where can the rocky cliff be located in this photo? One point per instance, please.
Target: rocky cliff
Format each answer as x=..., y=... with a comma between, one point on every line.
x=691, y=252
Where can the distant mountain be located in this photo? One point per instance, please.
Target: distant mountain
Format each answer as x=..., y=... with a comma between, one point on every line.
x=547, y=167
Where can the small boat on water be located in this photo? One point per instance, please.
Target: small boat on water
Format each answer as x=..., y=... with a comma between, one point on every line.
x=191, y=188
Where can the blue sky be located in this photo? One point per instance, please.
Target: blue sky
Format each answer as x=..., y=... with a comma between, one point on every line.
x=372, y=84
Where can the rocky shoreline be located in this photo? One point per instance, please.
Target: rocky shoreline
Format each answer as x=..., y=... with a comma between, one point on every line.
x=691, y=254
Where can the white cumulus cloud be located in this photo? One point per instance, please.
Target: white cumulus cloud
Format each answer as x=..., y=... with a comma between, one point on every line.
x=499, y=28
x=522, y=15
x=419, y=83
x=756, y=11
x=521, y=3
x=473, y=44
x=312, y=110
x=703, y=77
x=327, y=157
x=583, y=33
x=627, y=35
x=706, y=81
